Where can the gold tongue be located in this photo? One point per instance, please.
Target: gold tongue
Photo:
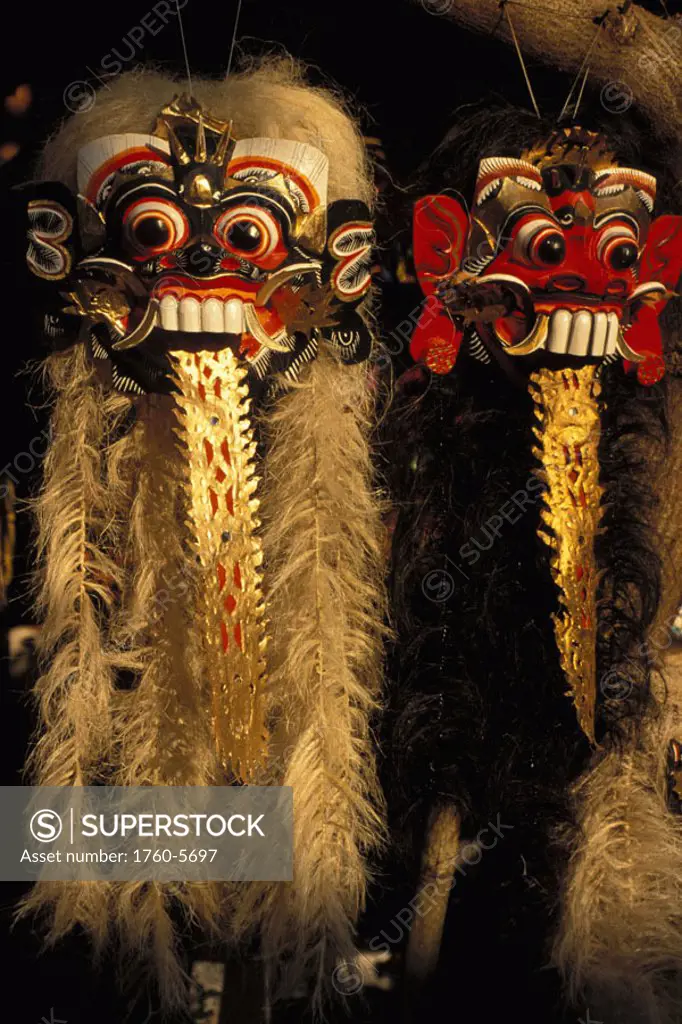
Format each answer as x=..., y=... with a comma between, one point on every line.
x=213, y=424
x=567, y=449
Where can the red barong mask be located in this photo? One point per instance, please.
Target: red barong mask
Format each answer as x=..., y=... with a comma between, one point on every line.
x=558, y=254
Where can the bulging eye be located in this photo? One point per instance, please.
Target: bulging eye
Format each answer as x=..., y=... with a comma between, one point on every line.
x=618, y=248
x=248, y=230
x=153, y=226
x=623, y=255
x=245, y=235
x=541, y=242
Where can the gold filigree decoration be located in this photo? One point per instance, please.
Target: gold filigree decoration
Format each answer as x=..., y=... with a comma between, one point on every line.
x=567, y=448
x=100, y=303
x=309, y=308
x=573, y=145
x=184, y=111
x=213, y=423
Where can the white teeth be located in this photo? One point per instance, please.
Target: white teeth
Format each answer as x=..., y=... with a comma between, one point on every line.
x=190, y=315
x=599, y=329
x=580, y=333
x=612, y=336
x=488, y=190
x=583, y=333
x=559, y=329
x=233, y=316
x=212, y=316
x=169, y=313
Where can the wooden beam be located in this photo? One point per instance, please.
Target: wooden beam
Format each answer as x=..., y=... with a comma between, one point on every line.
x=636, y=60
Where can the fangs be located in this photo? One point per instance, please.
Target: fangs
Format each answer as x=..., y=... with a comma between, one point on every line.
x=210, y=316
x=215, y=316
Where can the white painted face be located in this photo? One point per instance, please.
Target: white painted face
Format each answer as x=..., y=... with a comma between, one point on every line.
x=220, y=254
x=190, y=239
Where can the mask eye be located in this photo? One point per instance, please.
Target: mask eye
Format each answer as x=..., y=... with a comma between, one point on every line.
x=541, y=242
x=249, y=231
x=618, y=248
x=153, y=226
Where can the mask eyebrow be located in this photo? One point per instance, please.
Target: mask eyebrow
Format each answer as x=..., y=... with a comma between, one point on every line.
x=515, y=215
x=610, y=215
x=262, y=197
x=145, y=186
x=494, y=169
x=613, y=180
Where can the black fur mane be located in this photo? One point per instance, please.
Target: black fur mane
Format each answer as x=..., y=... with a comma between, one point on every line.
x=478, y=714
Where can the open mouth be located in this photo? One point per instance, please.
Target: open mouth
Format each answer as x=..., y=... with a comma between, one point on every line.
x=221, y=305
x=232, y=319
x=211, y=315
x=579, y=332
x=577, y=325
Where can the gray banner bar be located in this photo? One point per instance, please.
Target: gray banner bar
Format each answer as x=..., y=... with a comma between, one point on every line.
x=139, y=833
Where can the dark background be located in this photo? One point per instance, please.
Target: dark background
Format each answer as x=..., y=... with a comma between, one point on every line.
x=405, y=70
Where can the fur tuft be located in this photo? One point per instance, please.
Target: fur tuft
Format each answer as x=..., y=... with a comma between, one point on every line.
x=619, y=943
x=323, y=546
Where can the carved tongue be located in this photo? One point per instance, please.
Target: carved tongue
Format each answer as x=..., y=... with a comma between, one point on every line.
x=212, y=409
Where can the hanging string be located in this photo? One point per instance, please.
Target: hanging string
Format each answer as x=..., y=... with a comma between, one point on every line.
x=184, y=48
x=504, y=6
x=580, y=94
x=234, y=37
x=581, y=69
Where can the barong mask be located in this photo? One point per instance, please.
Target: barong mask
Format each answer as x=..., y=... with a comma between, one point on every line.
x=188, y=238
x=559, y=258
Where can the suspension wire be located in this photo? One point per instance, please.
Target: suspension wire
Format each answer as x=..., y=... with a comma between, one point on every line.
x=184, y=47
x=581, y=70
x=580, y=94
x=504, y=6
x=234, y=38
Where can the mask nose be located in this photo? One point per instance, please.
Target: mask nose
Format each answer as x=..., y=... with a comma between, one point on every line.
x=202, y=259
x=567, y=283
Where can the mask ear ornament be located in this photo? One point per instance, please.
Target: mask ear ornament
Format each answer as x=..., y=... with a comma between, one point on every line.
x=659, y=275
x=346, y=275
x=440, y=231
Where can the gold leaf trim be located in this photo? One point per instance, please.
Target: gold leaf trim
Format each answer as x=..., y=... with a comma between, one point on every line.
x=213, y=424
x=567, y=448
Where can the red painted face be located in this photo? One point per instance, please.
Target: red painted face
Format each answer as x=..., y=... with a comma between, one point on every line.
x=563, y=258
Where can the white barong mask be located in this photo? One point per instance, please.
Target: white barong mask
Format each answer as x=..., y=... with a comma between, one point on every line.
x=187, y=239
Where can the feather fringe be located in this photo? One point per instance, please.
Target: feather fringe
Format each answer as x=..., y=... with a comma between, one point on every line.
x=619, y=945
x=160, y=722
x=80, y=514
x=323, y=544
